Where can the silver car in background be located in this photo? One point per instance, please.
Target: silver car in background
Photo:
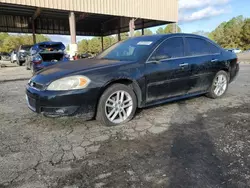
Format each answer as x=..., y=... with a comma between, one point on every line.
x=13, y=57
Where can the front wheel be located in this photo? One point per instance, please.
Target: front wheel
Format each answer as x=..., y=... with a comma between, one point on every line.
x=219, y=85
x=20, y=63
x=117, y=105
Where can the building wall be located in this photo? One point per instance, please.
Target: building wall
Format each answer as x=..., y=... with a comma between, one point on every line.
x=163, y=10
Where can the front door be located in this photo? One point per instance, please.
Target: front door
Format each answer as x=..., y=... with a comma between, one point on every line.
x=167, y=72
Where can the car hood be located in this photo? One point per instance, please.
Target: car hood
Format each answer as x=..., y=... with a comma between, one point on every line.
x=63, y=69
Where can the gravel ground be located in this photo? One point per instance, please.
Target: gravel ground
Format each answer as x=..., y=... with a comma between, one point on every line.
x=198, y=142
x=13, y=72
x=244, y=56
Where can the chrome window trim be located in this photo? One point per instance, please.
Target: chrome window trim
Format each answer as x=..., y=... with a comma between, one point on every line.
x=182, y=57
x=183, y=37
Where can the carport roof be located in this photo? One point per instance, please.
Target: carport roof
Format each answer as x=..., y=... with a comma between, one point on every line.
x=17, y=18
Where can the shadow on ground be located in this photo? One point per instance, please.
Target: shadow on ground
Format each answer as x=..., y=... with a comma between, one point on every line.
x=212, y=151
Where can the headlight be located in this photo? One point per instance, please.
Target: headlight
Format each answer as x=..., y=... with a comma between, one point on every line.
x=69, y=83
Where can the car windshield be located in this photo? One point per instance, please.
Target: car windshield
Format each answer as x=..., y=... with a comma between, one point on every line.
x=130, y=50
x=25, y=48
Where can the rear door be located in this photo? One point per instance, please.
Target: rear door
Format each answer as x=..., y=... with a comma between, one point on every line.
x=167, y=72
x=201, y=62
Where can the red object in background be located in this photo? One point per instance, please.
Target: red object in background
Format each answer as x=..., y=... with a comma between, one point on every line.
x=75, y=57
x=37, y=62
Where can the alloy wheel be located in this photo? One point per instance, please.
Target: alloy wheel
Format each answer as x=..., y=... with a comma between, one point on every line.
x=118, y=106
x=220, y=85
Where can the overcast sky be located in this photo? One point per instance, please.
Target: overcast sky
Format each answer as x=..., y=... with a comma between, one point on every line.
x=197, y=15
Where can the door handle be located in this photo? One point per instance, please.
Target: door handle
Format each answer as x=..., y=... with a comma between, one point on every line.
x=214, y=60
x=183, y=64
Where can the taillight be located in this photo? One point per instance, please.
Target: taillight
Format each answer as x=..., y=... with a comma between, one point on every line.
x=37, y=60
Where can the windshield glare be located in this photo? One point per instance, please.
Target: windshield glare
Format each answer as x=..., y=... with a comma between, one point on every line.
x=130, y=50
x=26, y=48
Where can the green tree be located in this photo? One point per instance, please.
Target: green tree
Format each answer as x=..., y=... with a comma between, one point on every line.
x=232, y=31
x=83, y=46
x=42, y=38
x=108, y=41
x=146, y=32
x=3, y=36
x=202, y=33
x=231, y=34
x=245, y=35
x=170, y=28
x=94, y=45
x=218, y=33
x=138, y=33
x=11, y=42
x=124, y=36
x=160, y=30
x=67, y=47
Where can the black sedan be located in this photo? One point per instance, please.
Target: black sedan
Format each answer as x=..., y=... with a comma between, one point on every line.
x=136, y=73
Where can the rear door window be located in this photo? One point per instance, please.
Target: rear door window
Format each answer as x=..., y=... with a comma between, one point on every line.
x=213, y=49
x=196, y=46
x=171, y=48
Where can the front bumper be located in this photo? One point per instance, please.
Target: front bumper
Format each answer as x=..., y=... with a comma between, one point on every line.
x=63, y=103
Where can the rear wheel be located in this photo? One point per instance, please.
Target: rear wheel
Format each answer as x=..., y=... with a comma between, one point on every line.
x=219, y=85
x=117, y=105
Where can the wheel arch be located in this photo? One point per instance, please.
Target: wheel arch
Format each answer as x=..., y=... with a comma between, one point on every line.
x=126, y=81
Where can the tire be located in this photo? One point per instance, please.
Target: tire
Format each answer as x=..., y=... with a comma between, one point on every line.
x=20, y=63
x=128, y=112
x=212, y=93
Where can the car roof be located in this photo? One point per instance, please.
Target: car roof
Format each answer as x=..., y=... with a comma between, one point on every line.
x=173, y=35
x=165, y=36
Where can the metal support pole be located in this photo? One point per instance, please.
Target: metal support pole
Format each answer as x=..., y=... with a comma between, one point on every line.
x=119, y=35
x=72, y=26
x=34, y=31
x=131, y=27
x=119, y=30
x=102, y=43
x=142, y=30
x=33, y=22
